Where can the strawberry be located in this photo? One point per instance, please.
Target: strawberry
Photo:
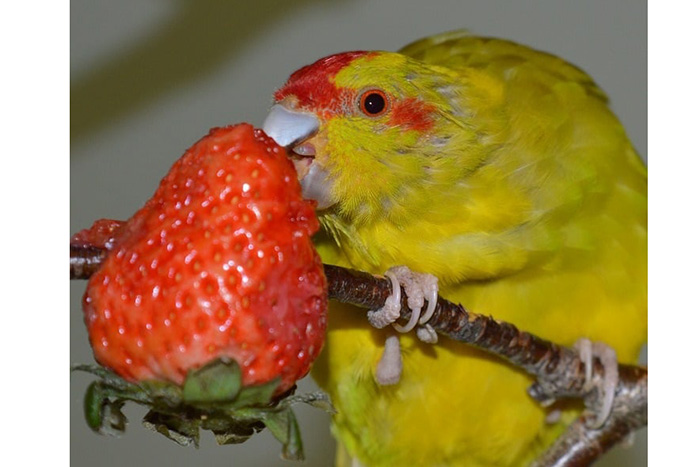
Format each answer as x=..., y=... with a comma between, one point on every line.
x=217, y=264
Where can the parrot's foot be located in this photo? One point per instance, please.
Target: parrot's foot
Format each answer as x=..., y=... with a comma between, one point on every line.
x=606, y=391
x=553, y=417
x=390, y=366
x=419, y=289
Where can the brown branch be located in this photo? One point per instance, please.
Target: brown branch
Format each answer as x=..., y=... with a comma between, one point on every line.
x=558, y=371
x=85, y=260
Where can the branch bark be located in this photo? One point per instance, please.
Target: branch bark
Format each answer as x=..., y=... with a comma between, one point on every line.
x=558, y=371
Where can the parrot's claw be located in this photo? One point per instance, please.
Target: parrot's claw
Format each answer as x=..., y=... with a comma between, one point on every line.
x=419, y=289
x=587, y=351
x=553, y=417
x=391, y=310
x=390, y=366
x=427, y=334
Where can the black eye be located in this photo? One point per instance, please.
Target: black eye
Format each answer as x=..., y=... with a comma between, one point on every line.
x=373, y=103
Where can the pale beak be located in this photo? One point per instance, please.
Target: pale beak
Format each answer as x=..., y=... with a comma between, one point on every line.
x=290, y=128
x=287, y=127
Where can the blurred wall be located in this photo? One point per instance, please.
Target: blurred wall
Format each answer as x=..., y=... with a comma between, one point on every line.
x=150, y=77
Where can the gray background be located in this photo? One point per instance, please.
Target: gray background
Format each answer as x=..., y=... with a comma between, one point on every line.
x=150, y=77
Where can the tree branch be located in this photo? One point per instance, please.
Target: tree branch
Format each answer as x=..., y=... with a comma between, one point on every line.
x=558, y=371
x=85, y=260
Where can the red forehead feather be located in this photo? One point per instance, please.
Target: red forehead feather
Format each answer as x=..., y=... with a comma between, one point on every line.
x=313, y=84
x=314, y=89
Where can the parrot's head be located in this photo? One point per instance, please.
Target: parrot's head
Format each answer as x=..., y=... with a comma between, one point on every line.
x=372, y=132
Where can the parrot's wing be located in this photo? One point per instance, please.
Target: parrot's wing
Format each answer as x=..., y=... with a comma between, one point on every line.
x=458, y=49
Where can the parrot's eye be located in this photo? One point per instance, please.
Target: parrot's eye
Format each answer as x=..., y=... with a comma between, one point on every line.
x=373, y=103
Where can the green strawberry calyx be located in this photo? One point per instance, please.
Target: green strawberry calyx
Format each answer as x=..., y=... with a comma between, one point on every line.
x=211, y=398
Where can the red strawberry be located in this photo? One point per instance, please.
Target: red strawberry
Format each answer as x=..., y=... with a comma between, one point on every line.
x=219, y=263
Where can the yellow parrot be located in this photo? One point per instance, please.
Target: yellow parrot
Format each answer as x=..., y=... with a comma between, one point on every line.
x=501, y=171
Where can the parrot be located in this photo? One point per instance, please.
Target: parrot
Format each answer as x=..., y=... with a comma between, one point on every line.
x=501, y=172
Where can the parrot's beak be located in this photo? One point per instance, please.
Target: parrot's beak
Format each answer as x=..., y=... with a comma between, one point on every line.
x=292, y=129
